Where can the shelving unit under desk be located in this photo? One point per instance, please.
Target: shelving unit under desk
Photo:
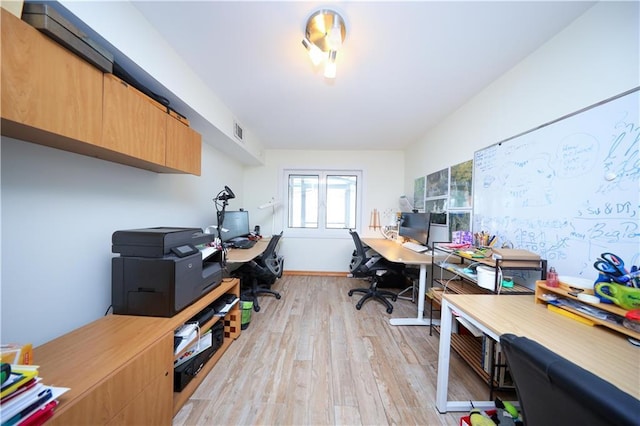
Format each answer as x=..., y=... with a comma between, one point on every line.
x=457, y=280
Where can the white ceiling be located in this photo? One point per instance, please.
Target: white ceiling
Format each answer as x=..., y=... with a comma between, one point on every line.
x=404, y=66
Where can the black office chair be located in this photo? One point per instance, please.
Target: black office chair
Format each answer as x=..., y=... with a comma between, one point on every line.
x=259, y=274
x=372, y=267
x=555, y=391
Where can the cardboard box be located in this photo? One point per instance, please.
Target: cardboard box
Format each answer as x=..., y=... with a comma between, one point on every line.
x=16, y=353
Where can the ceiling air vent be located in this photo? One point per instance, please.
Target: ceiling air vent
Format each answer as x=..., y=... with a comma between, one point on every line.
x=237, y=131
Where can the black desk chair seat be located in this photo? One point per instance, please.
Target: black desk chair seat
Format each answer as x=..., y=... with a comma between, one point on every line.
x=554, y=391
x=259, y=275
x=372, y=267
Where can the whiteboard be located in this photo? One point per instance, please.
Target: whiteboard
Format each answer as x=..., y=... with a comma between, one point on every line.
x=568, y=190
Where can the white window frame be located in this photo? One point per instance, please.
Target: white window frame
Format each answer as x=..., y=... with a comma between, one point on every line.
x=321, y=231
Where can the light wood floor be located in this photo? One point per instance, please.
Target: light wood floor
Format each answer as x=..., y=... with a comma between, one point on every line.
x=311, y=358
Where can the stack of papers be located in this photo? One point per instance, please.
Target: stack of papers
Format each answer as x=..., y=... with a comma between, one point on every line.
x=203, y=343
x=187, y=334
x=207, y=251
x=223, y=310
x=25, y=400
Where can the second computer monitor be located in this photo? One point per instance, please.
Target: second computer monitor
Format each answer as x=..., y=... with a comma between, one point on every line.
x=438, y=229
x=236, y=224
x=414, y=226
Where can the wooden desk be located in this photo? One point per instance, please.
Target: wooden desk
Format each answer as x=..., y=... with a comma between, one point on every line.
x=394, y=252
x=247, y=255
x=602, y=352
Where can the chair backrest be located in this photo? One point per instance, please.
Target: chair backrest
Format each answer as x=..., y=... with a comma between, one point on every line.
x=359, y=256
x=361, y=263
x=271, y=247
x=271, y=259
x=553, y=390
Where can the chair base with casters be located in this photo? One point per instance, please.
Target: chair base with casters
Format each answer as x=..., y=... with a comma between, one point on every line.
x=373, y=267
x=255, y=290
x=372, y=292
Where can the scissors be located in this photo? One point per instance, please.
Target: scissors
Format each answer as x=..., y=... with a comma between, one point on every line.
x=613, y=267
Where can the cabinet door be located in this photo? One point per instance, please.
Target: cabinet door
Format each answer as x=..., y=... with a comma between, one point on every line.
x=44, y=86
x=153, y=406
x=142, y=389
x=184, y=147
x=131, y=124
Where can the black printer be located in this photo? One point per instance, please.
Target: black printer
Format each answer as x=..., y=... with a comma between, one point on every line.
x=160, y=271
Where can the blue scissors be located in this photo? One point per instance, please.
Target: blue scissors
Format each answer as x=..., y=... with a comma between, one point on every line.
x=613, y=267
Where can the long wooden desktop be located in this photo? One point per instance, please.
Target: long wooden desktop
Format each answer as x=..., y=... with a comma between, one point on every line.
x=394, y=252
x=600, y=351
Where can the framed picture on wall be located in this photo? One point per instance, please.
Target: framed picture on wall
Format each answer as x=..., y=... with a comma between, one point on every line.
x=438, y=184
x=418, y=193
x=459, y=221
x=460, y=186
x=436, y=205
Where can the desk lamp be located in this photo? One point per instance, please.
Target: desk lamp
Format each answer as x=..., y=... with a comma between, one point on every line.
x=221, y=201
x=273, y=203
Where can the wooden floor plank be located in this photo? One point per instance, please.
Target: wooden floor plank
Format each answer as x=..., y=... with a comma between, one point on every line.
x=312, y=358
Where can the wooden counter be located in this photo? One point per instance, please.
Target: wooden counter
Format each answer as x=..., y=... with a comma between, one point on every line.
x=119, y=368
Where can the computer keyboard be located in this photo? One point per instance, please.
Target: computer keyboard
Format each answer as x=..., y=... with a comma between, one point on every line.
x=242, y=243
x=418, y=248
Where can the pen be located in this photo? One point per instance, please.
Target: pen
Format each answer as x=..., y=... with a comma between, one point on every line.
x=40, y=416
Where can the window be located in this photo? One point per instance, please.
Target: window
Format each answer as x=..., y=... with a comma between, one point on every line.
x=322, y=202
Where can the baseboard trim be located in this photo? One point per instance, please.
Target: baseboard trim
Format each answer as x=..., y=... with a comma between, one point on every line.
x=316, y=273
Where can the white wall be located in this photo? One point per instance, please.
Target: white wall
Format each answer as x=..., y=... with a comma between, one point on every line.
x=59, y=211
x=593, y=59
x=382, y=176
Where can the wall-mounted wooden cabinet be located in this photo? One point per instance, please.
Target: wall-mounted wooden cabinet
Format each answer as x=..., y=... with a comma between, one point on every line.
x=132, y=125
x=45, y=87
x=183, y=147
x=52, y=97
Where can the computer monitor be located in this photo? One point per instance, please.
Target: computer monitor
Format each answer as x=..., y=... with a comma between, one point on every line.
x=414, y=226
x=236, y=223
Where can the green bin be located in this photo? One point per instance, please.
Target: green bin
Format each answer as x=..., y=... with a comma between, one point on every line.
x=246, y=306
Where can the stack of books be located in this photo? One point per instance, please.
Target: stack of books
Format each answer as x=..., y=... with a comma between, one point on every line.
x=24, y=399
x=501, y=374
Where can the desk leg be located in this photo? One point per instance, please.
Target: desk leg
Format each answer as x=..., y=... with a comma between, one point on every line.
x=422, y=290
x=444, y=353
x=444, y=356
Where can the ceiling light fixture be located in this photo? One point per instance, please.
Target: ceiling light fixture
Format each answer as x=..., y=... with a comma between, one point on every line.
x=324, y=36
